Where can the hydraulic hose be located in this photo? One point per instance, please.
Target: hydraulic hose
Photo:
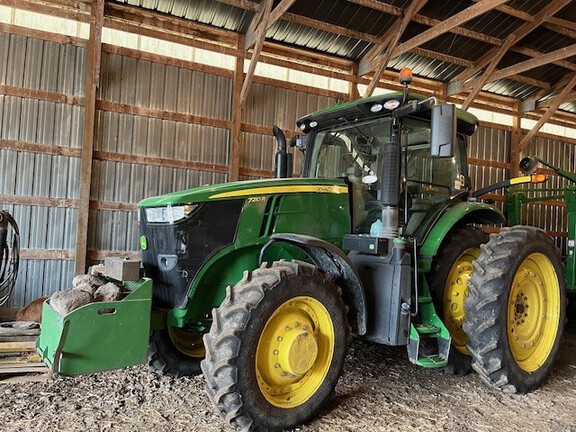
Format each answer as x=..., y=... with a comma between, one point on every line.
x=9, y=255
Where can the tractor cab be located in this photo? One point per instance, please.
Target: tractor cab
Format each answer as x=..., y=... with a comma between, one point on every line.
x=350, y=141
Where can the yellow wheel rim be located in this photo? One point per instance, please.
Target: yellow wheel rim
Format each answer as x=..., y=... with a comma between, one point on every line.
x=455, y=292
x=533, y=312
x=294, y=352
x=188, y=343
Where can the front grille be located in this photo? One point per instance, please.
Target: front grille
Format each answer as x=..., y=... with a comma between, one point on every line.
x=175, y=252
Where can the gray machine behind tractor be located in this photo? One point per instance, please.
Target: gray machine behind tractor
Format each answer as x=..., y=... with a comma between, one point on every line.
x=260, y=283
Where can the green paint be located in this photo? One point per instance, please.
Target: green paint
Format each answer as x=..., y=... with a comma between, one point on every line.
x=143, y=243
x=98, y=336
x=471, y=211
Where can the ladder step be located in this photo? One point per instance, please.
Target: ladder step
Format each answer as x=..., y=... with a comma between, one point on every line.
x=427, y=329
x=425, y=299
x=432, y=361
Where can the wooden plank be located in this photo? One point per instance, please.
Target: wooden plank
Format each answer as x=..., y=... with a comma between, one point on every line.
x=14, y=347
x=11, y=379
x=47, y=254
x=92, y=82
x=46, y=9
x=41, y=95
x=161, y=114
x=38, y=201
x=159, y=161
x=40, y=34
x=165, y=60
x=236, y=127
x=30, y=368
x=39, y=148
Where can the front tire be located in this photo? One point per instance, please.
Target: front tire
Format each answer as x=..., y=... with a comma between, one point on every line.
x=175, y=352
x=276, y=347
x=516, y=309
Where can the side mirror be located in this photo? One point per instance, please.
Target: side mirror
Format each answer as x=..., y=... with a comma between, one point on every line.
x=528, y=165
x=443, y=130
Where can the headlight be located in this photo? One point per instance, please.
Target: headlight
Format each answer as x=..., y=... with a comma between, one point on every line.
x=169, y=214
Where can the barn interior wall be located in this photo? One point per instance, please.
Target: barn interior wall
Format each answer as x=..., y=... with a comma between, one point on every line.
x=161, y=125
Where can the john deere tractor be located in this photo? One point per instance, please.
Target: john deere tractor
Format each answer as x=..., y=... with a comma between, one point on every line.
x=260, y=284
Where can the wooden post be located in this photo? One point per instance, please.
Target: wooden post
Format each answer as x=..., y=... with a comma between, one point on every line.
x=237, y=109
x=92, y=82
x=515, y=155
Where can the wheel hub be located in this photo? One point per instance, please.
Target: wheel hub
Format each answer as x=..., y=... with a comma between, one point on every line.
x=297, y=352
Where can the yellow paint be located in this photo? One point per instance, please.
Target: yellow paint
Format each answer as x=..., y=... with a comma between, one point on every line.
x=519, y=180
x=295, y=352
x=269, y=190
x=533, y=312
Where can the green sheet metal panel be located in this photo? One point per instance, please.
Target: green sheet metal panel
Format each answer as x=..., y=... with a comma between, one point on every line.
x=98, y=336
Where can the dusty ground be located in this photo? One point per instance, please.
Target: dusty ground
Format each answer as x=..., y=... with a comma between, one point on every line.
x=380, y=391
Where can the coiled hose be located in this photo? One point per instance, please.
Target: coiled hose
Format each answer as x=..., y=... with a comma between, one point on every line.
x=9, y=255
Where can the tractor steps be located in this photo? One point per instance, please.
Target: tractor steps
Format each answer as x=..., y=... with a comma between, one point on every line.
x=429, y=345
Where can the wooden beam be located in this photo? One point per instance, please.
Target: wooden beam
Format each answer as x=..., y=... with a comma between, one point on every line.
x=275, y=15
x=516, y=137
x=392, y=41
x=513, y=12
x=533, y=53
x=479, y=83
x=561, y=53
x=237, y=108
x=92, y=81
x=558, y=100
x=260, y=37
x=512, y=39
x=560, y=22
x=455, y=20
x=75, y=14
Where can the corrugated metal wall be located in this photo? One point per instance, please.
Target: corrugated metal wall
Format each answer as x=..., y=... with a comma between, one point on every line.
x=268, y=106
x=552, y=215
x=145, y=84
x=51, y=67
x=147, y=132
x=489, y=145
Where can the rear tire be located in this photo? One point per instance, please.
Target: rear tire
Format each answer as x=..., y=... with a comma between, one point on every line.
x=516, y=309
x=451, y=270
x=276, y=347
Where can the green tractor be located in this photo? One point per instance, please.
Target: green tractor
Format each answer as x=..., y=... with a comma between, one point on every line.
x=260, y=284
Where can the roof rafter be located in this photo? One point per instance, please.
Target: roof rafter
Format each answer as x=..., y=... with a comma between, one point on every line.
x=391, y=39
x=512, y=39
x=518, y=68
x=443, y=27
x=558, y=100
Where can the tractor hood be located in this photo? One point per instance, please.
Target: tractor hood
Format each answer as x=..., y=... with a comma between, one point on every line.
x=244, y=189
x=373, y=107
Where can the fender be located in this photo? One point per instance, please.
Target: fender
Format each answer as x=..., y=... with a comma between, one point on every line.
x=336, y=264
x=460, y=214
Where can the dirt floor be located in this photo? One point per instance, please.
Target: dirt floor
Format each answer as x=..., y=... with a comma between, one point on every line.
x=380, y=391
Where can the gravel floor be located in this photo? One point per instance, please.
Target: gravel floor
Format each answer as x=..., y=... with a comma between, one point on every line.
x=380, y=391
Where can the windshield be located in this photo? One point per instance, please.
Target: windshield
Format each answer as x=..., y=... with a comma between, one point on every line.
x=353, y=151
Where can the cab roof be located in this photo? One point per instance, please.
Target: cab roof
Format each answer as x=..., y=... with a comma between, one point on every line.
x=360, y=109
